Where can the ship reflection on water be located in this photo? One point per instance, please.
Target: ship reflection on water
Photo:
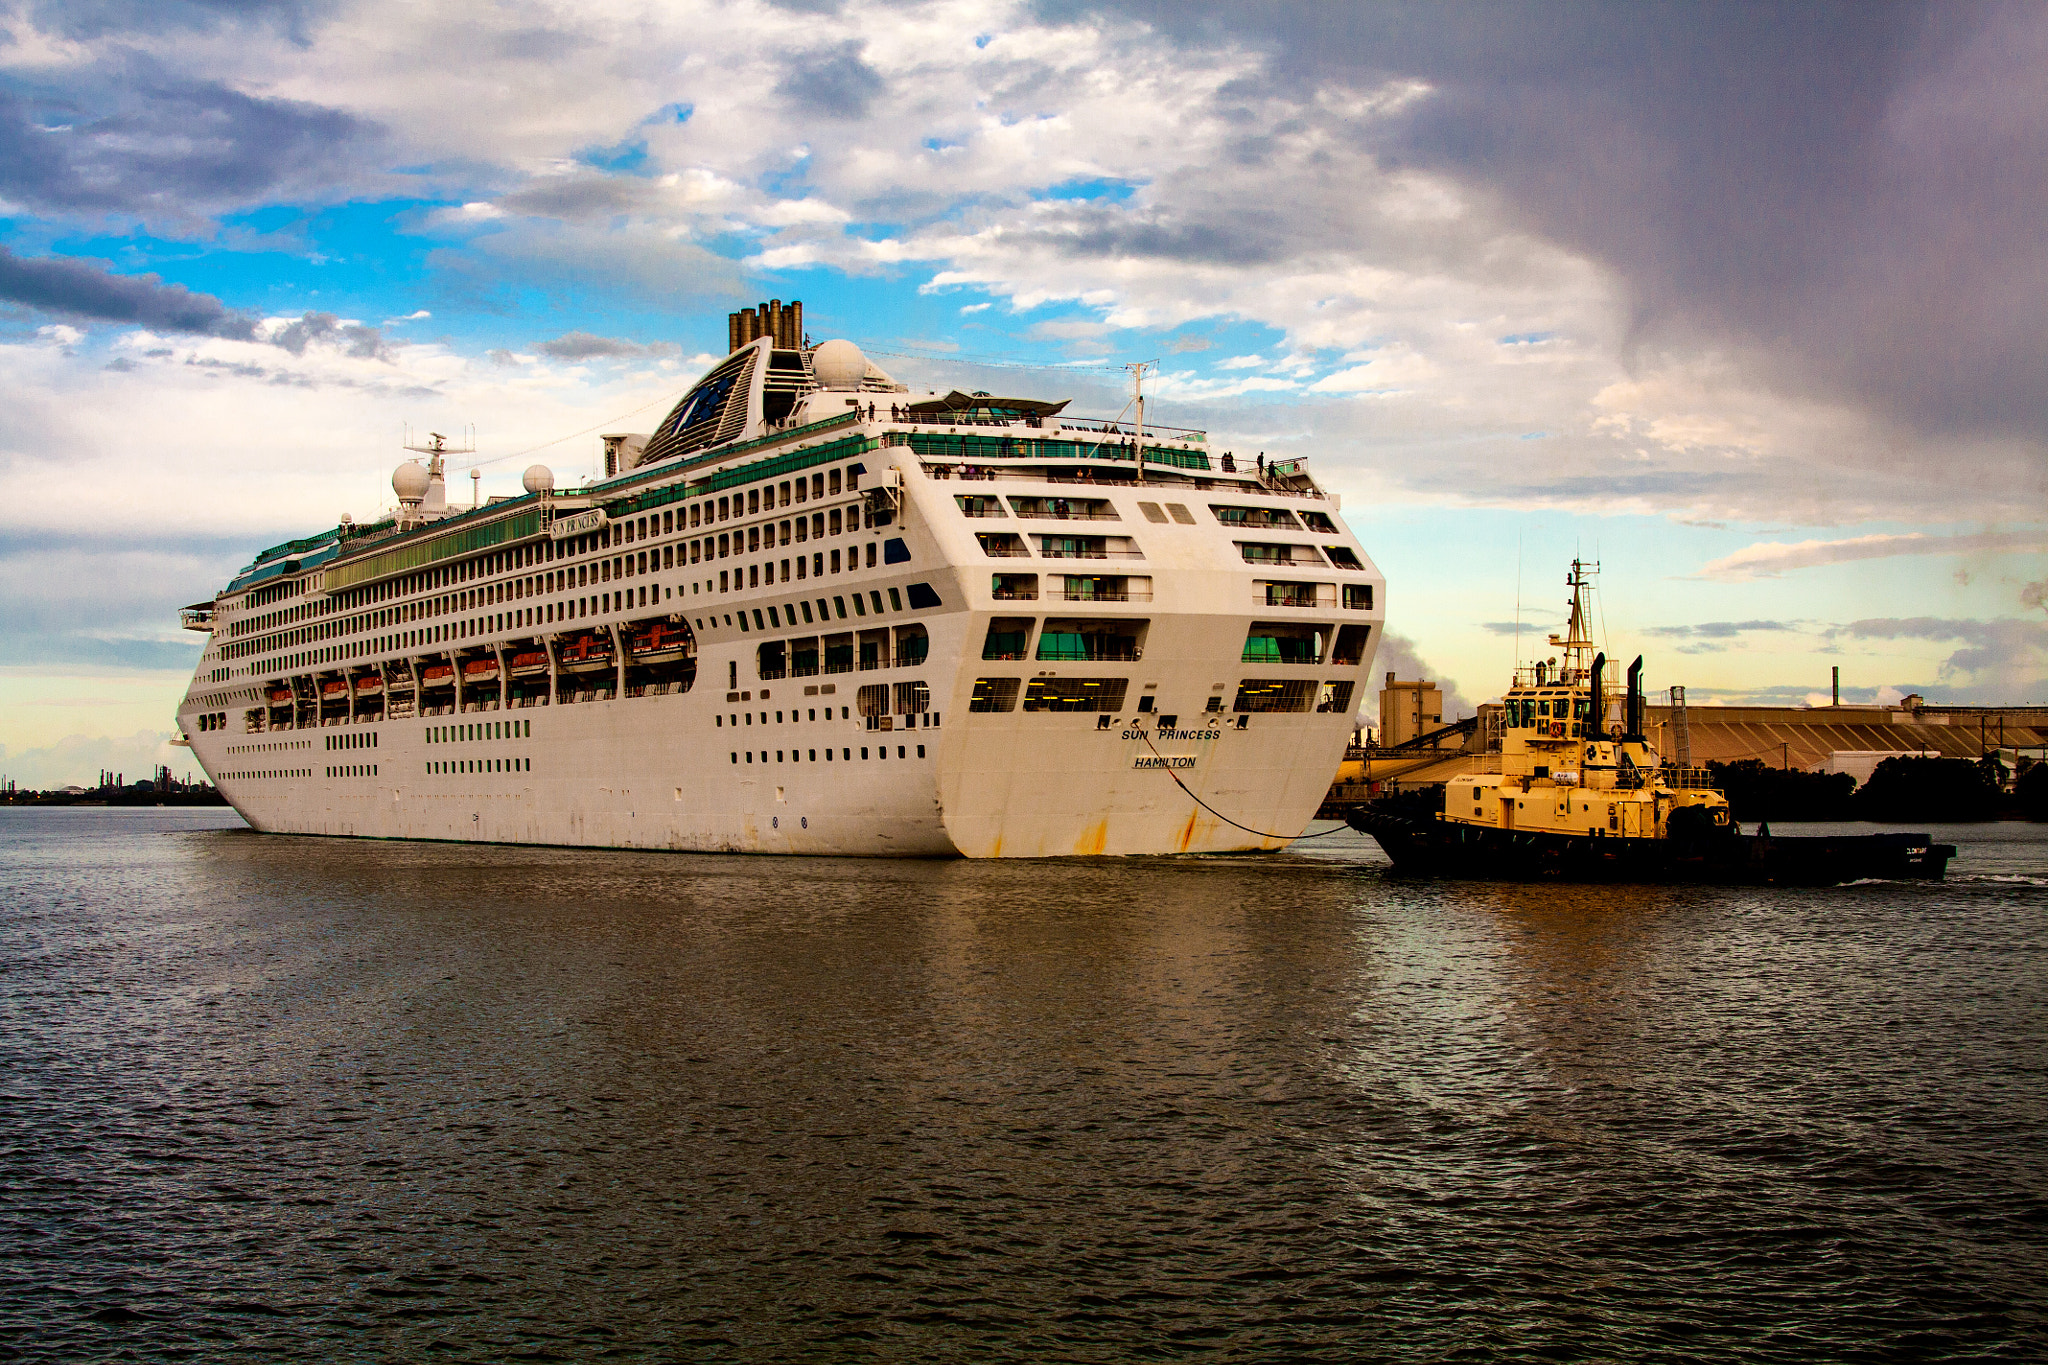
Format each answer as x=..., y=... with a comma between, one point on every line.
x=327, y=1098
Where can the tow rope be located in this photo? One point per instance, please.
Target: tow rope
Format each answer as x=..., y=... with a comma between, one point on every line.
x=1286, y=838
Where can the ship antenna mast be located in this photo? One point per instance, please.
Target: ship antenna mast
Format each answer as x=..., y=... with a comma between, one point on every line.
x=1137, y=369
x=1576, y=643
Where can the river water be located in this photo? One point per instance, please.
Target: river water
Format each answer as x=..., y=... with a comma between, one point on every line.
x=275, y=1098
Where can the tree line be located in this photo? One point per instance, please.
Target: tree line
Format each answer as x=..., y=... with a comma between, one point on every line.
x=1900, y=790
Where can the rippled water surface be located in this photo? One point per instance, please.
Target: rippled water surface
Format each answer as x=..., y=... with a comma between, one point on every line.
x=290, y=1098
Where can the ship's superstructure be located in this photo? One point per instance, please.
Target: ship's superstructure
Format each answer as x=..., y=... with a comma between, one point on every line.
x=1569, y=765
x=811, y=612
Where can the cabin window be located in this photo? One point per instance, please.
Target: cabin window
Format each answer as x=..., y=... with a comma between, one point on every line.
x=1076, y=694
x=1114, y=640
x=1350, y=646
x=1273, y=694
x=1007, y=638
x=1284, y=643
x=994, y=694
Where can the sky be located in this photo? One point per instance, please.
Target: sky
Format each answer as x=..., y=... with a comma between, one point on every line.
x=1743, y=301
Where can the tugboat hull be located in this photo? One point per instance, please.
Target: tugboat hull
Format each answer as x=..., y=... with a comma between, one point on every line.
x=1421, y=844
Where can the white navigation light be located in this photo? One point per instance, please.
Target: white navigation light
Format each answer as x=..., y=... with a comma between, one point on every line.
x=409, y=481
x=538, y=479
x=839, y=365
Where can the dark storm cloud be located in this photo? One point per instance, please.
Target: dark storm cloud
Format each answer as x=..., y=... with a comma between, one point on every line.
x=1859, y=191
x=87, y=289
x=834, y=82
x=1238, y=239
x=166, y=148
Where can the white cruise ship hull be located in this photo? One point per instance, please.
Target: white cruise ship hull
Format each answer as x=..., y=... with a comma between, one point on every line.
x=409, y=719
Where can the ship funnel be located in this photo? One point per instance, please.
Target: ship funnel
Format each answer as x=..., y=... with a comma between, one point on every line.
x=1634, y=722
x=782, y=322
x=1596, y=717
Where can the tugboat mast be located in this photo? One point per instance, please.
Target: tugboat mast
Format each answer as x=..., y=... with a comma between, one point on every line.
x=1576, y=669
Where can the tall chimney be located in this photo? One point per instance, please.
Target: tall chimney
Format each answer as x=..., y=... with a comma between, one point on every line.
x=1838, y=684
x=796, y=324
x=732, y=332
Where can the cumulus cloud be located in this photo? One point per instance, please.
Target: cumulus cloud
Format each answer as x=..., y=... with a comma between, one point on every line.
x=364, y=343
x=2008, y=655
x=88, y=289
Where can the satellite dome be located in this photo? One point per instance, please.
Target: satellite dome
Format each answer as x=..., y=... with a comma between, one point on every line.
x=839, y=365
x=410, y=481
x=538, y=479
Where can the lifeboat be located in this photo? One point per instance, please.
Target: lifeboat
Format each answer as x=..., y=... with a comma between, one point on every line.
x=657, y=637
x=333, y=691
x=368, y=685
x=529, y=663
x=480, y=670
x=280, y=696
x=586, y=652
x=437, y=675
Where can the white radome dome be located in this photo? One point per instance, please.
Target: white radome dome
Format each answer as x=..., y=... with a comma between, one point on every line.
x=410, y=481
x=839, y=365
x=538, y=479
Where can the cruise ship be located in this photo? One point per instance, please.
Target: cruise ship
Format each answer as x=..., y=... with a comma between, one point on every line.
x=812, y=612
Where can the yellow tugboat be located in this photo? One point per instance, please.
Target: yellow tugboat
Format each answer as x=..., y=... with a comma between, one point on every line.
x=1583, y=796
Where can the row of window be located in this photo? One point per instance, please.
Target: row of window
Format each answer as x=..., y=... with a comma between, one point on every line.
x=845, y=754
x=1122, y=639
x=1102, y=509
x=836, y=521
x=1106, y=695
x=353, y=770
x=358, y=739
x=480, y=730
x=441, y=767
